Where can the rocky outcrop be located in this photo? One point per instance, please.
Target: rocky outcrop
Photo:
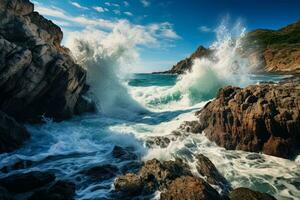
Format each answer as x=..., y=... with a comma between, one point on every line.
x=38, y=77
x=257, y=118
x=12, y=134
x=37, y=185
x=60, y=190
x=21, y=183
x=274, y=50
x=247, y=194
x=152, y=176
x=207, y=169
x=186, y=65
x=175, y=181
x=192, y=188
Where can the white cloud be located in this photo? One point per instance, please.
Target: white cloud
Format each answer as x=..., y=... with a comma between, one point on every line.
x=204, y=29
x=128, y=13
x=79, y=20
x=112, y=4
x=145, y=3
x=156, y=34
x=62, y=23
x=99, y=9
x=77, y=5
x=117, y=12
x=164, y=30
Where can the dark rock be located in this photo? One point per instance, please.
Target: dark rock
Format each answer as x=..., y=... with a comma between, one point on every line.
x=102, y=172
x=20, y=183
x=20, y=164
x=207, y=169
x=121, y=153
x=38, y=76
x=160, y=141
x=247, y=194
x=152, y=176
x=192, y=188
x=12, y=134
x=130, y=184
x=257, y=118
x=185, y=65
x=84, y=105
x=61, y=190
x=5, y=195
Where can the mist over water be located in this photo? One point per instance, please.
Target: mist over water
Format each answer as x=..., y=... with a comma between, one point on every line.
x=145, y=106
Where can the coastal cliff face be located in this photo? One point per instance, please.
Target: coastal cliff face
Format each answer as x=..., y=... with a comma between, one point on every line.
x=274, y=50
x=257, y=118
x=186, y=65
x=38, y=76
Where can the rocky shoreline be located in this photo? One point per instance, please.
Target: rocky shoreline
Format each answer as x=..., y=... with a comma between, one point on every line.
x=174, y=180
x=39, y=78
x=258, y=118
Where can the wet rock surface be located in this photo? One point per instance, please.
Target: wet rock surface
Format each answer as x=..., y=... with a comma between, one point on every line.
x=152, y=176
x=247, y=194
x=101, y=172
x=207, y=169
x=38, y=76
x=175, y=181
x=192, y=188
x=257, y=118
x=12, y=134
x=21, y=183
x=60, y=190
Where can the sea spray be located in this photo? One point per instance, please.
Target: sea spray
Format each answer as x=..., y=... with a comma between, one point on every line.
x=224, y=67
x=107, y=56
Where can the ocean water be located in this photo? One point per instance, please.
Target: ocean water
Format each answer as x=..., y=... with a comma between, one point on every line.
x=133, y=108
x=68, y=147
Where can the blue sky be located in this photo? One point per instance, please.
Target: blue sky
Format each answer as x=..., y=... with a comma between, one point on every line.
x=175, y=27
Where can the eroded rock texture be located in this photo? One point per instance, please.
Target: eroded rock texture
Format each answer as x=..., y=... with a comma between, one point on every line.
x=37, y=75
x=257, y=118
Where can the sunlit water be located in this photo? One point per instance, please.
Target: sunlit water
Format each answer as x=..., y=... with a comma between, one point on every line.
x=70, y=146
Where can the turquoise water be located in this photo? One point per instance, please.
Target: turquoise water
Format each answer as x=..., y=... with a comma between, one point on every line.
x=85, y=141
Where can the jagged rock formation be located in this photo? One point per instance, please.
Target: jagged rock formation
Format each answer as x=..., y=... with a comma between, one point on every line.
x=42, y=184
x=257, y=118
x=12, y=134
x=175, y=181
x=247, y=194
x=186, y=64
x=274, y=50
x=37, y=75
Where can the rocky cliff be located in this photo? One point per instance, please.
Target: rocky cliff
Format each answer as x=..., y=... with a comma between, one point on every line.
x=186, y=64
x=37, y=75
x=259, y=118
x=274, y=50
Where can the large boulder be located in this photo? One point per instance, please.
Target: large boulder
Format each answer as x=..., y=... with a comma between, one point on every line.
x=12, y=134
x=247, y=194
x=191, y=188
x=38, y=76
x=152, y=176
x=20, y=183
x=257, y=118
